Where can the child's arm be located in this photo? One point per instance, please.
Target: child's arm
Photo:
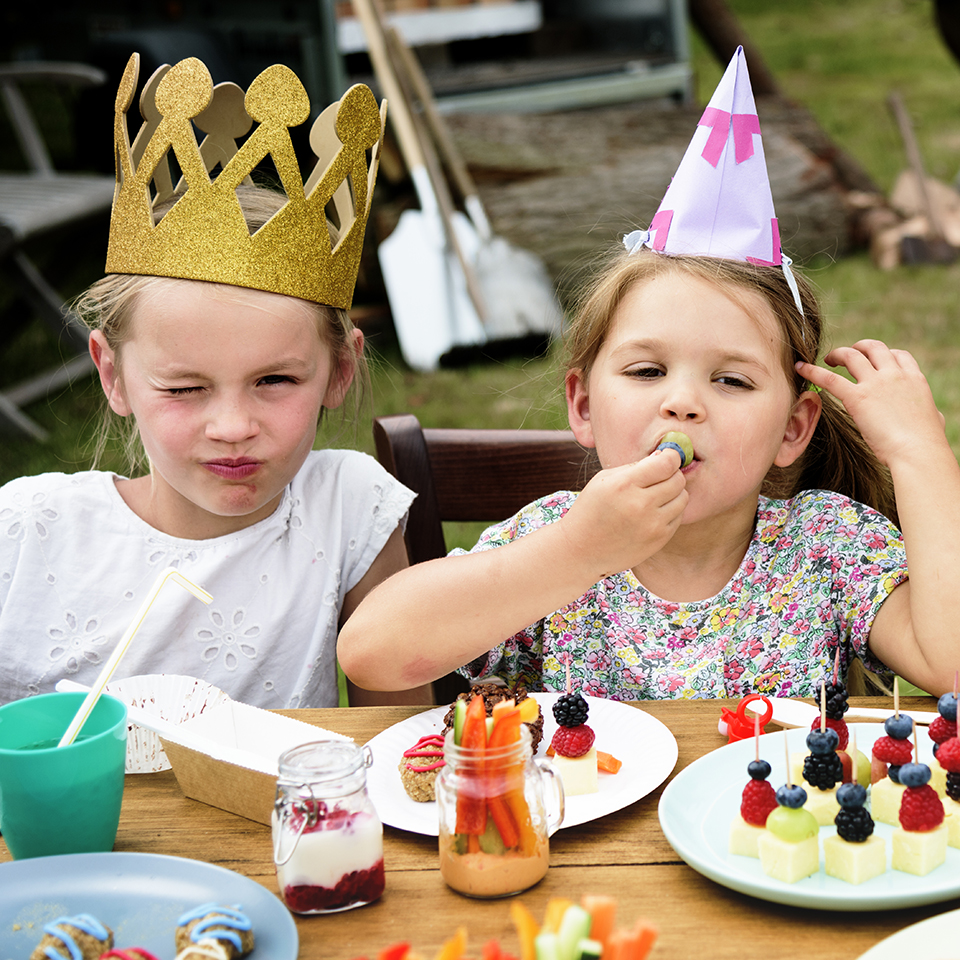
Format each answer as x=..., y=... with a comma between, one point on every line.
x=915, y=632
x=392, y=558
x=434, y=617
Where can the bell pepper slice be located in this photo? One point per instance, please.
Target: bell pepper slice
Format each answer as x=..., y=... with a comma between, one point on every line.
x=471, y=807
x=396, y=951
x=527, y=929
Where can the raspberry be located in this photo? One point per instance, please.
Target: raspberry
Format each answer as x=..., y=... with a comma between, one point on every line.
x=948, y=756
x=893, y=751
x=854, y=825
x=839, y=725
x=759, y=798
x=573, y=741
x=920, y=809
x=823, y=770
x=571, y=710
x=942, y=730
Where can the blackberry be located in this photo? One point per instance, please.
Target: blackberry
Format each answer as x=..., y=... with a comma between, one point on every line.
x=836, y=699
x=570, y=710
x=953, y=786
x=823, y=770
x=854, y=824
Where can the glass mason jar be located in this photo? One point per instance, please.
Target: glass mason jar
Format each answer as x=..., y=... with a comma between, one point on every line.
x=327, y=837
x=494, y=823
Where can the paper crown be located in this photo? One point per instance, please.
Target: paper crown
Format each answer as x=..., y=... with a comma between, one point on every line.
x=203, y=236
x=719, y=202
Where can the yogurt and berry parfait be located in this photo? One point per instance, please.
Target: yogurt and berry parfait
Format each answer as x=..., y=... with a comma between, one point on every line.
x=327, y=837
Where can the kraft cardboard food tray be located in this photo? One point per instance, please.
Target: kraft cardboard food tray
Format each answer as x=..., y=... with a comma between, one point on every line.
x=227, y=756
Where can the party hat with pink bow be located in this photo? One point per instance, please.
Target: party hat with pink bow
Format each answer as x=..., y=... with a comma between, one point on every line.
x=719, y=202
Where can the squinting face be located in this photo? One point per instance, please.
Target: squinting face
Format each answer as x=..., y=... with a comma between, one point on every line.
x=226, y=385
x=681, y=355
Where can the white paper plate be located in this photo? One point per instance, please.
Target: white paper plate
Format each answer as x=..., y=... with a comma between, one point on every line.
x=937, y=938
x=698, y=805
x=646, y=747
x=165, y=695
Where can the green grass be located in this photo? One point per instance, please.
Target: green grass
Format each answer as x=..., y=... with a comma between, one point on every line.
x=840, y=58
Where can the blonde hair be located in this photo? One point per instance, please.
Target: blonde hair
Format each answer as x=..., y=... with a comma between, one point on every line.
x=110, y=304
x=837, y=458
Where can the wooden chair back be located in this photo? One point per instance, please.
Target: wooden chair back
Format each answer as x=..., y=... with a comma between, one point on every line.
x=473, y=475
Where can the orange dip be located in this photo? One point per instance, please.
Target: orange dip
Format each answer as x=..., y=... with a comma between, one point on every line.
x=492, y=875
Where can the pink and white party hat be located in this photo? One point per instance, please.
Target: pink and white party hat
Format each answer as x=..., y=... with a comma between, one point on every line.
x=719, y=202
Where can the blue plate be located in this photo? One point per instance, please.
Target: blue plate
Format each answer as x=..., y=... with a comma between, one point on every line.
x=139, y=896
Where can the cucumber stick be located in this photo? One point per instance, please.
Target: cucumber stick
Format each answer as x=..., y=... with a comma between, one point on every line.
x=574, y=927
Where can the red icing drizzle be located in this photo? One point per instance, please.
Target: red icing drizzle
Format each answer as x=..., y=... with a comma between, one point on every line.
x=428, y=746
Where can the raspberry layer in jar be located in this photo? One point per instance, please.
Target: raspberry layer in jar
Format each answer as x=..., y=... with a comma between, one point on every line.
x=337, y=865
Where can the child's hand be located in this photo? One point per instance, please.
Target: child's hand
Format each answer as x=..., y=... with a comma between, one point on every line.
x=890, y=399
x=626, y=514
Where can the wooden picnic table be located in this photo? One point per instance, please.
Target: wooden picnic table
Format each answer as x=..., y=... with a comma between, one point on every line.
x=624, y=854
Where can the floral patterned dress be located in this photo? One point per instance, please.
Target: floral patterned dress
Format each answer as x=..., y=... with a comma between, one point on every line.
x=812, y=580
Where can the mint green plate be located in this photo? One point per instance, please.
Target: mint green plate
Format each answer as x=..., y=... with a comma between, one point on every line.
x=698, y=805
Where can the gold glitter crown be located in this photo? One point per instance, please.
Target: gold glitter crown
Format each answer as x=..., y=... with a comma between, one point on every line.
x=309, y=248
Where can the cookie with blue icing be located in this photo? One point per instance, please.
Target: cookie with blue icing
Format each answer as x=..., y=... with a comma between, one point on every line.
x=213, y=930
x=81, y=937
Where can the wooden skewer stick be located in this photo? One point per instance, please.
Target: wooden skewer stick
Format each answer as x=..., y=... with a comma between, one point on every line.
x=853, y=756
x=896, y=696
x=823, y=707
x=786, y=753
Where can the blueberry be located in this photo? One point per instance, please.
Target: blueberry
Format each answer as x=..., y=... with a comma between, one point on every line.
x=947, y=707
x=914, y=774
x=793, y=796
x=823, y=741
x=893, y=772
x=899, y=726
x=850, y=795
x=758, y=769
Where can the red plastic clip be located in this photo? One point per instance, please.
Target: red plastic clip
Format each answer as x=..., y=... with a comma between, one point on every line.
x=740, y=726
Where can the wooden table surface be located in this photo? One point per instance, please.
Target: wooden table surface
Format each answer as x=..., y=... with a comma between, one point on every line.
x=624, y=854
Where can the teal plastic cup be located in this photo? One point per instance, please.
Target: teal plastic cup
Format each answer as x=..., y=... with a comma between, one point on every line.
x=60, y=799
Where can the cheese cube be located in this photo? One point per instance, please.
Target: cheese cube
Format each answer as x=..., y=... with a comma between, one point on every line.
x=579, y=774
x=854, y=862
x=787, y=861
x=919, y=852
x=938, y=779
x=951, y=810
x=822, y=804
x=885, y=797
x=744, y=837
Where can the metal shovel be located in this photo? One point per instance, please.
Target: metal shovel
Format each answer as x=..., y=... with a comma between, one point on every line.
x=517, y=291
x=425, y=280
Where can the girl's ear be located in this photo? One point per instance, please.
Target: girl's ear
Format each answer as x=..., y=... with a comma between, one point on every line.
x=106, y=363
x=800, y=426
x=578, y=407
x=344, y=370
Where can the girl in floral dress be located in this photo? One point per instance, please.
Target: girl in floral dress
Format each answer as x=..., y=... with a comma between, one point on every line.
x=745, y=570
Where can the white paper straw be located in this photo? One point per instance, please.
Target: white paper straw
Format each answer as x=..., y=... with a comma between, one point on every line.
x=108, y=668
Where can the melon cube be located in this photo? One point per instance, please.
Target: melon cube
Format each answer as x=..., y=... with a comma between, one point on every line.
x=744, y=837
x=854, y=862
x=788, y=861
x=579, y=774
x=885, y=797
x=919, y=852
